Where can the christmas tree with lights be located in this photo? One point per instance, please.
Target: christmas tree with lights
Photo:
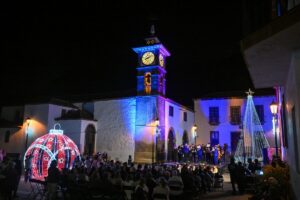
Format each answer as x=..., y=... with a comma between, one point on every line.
x=253, y=139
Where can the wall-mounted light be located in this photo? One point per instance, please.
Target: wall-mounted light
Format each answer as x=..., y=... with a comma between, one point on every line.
x=195, y=127
x=157, y=122
x=28, y=120
x=274, y=108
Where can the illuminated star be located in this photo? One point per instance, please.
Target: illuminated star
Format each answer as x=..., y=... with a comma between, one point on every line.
x=249, y=92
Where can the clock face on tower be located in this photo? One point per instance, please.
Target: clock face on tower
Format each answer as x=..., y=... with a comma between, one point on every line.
x=148, y=58
x=161, y=60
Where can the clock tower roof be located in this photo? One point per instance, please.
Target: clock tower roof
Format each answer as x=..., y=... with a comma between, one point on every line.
x=152, y=44
x=154, y=47
x=152, y=39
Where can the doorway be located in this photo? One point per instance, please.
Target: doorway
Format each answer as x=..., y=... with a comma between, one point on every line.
x=89, y=146
x=171, y=145
x=214, y=138
x=235, y=137
x=185, y=138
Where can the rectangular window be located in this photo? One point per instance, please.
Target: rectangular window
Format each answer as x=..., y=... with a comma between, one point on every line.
x=214, y=115
x=235, y=115
x=185, y=116
x=171, y=111
x=260, y=112
x=7, y=136
x=214, y=138
x=295, y=138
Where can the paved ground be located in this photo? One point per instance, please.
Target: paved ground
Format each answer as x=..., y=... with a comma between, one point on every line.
x=225, y=194
x=218, y=194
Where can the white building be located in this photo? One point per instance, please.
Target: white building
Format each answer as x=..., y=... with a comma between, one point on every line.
x=219, y=117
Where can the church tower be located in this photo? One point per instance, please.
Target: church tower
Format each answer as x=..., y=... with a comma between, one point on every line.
x=151, y=68
x=150, y=101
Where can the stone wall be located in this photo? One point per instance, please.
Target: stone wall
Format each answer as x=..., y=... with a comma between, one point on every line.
x=146, y=113
x=115, y=127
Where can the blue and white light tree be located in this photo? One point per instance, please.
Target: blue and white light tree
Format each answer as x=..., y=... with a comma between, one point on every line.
x=253, y=139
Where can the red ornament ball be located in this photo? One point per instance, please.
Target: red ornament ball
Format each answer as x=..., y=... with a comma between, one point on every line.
x=49, y=147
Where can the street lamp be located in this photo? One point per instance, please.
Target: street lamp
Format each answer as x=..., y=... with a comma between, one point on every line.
x=28, y=120
x=195, y=133
x=156, y=124
x=242, y=136
x=274, y=110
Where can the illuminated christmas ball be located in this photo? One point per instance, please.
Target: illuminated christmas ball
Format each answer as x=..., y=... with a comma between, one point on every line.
x=52, y=146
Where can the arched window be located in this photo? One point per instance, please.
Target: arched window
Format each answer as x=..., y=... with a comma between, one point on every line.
x=185, y=138
x=171, y=145
x=89, y=146
x=147, y=82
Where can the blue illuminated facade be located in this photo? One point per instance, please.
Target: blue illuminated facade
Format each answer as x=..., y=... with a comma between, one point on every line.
x=150, y=102
x=151, y=78
x=227, y=128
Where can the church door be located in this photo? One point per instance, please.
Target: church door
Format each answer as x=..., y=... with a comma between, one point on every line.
x=171, y=145
x=235, y=136
x=185, y=138
x=89, y=146
x=214, y=138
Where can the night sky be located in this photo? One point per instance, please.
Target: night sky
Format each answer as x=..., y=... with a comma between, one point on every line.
x=60, y=49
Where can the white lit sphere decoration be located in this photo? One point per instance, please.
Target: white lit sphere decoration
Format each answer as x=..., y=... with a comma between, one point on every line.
x=49, y=147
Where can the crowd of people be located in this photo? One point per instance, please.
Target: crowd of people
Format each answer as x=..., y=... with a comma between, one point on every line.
x=10, y=174
x=97, y=176
x=240, y=172
x=248, y=177
x=212, y=154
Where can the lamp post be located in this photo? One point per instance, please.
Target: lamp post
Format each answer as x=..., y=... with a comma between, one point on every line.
x=156, y=122
x=274, y=110
x=195, y=133
x=242, y=136
x=28, y=120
